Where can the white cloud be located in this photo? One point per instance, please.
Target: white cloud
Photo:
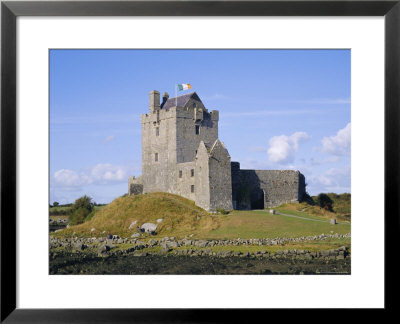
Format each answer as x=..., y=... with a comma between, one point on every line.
x=339, y=144
x=283, y=148
x=109, y=139
x=98, y=174
x=105, y=173
x=67, y=178
x=334, y=180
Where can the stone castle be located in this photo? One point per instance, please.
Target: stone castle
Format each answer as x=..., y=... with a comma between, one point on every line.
x=181, y=154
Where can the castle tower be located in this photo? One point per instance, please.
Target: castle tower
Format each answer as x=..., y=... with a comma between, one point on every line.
x=171, y=134
x=181, y=154
x=213, y=177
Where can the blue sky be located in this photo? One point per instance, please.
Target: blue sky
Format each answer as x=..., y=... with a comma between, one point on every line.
x=279, y=109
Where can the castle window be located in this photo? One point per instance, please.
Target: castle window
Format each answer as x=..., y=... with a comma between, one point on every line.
x=192, y=172
x=157, y=131
x=180, y=173
x=197, y=129
x=156, y=157
x=192, y=188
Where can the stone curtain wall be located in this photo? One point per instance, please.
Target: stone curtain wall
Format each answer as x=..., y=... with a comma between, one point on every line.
x=281, y=186
x=257, y=189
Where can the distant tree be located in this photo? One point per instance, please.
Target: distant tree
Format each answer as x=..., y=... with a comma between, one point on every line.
x=84, y=202
x=324, y=201
x=81, y=209
x=56, y=203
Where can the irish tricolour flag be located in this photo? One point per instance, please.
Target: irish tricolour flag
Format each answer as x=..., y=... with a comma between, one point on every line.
x=184, y=86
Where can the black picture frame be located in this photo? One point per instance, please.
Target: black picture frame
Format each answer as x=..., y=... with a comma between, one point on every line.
x=10, y=10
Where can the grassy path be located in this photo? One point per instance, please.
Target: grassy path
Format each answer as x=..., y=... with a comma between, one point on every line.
x=306, y=218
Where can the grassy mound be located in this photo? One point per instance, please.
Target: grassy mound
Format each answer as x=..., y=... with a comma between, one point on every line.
x=181, y=217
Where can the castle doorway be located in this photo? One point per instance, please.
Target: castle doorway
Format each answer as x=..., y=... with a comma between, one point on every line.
x=257, y=201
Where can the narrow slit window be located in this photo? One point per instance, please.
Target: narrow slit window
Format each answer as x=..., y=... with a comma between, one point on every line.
x=192, y=188
x=192, y=172
x=180, y=173
x=157, y=131
x=156, y=157
x=197, y=129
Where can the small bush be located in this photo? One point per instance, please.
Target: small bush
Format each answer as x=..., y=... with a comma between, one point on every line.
x=78, y=216
x=82, y=210
x=324, y=201
x=222, y=211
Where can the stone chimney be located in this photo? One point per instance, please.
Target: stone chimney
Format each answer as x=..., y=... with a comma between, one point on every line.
x=165, y=97
x=154, y=101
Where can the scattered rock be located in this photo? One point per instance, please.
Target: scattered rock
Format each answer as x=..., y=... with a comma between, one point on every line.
x=148, y=227
x=132, y=225
x=135, y=235
x=159, y=220
x=79, y=246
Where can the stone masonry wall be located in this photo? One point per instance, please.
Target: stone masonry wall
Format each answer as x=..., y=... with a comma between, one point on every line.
x=281, y=186
x=170, y=141
x=175, y=143
x=202, y=179
x=255, y=189
x=184, y=183
x=219, y=164
x=159, y=175
x=135, y=186
x=187, y=141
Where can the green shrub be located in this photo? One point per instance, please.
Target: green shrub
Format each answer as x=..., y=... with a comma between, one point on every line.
x=78, y=216
x=222, y=211
x=82, y=210
x=324, y=201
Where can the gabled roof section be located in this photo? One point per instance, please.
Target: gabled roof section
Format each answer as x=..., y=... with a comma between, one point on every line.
x=180, y=101
x=218, y=145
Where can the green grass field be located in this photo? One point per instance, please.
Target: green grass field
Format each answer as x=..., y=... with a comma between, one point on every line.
x=262, y=224
x=181, y=218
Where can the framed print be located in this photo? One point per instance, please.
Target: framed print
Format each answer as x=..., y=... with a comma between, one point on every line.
x=301, y=80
